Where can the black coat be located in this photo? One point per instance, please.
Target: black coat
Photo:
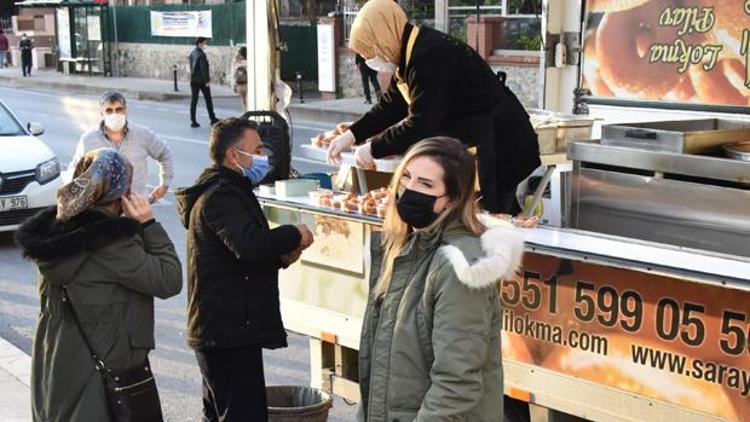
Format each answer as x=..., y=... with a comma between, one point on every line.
x=455, y=93
x=233, y=263
x=199, y=73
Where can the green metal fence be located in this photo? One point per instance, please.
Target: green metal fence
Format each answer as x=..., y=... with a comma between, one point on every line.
x=302, y=54
x=134, y=24
x=228, y=24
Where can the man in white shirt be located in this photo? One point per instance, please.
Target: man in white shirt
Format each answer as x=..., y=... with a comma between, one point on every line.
x=137, y=143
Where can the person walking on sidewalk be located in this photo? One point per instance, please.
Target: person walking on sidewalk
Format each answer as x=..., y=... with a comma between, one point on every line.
x=239, y=75
x=200, y=77
x=26, y=45
x=368, y=76
x=233, y=262
x=137, y=143
x=4, y=47
x=111, y=267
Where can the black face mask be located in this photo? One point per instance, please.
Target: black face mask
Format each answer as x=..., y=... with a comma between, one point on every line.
x=416, y=209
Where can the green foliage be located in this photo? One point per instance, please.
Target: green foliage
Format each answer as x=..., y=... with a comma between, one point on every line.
x=526, y=42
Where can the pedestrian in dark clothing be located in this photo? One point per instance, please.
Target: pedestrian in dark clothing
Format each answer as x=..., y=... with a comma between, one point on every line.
x=111, y=266
x=234, y=258
x=368, y=76
x=26, y=45
x=200, y=77
x=4, y=47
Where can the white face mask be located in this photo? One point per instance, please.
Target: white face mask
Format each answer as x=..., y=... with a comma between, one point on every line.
x=380, y=64
x=115, y=121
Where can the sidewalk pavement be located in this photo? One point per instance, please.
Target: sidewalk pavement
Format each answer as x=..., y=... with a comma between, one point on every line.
x=136, y=88
x=331, y=111
x=15, y=381
x=313, y=109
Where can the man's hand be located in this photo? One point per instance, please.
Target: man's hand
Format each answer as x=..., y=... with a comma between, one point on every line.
x=137, y=208
x=307, y=236
x=291, y=257
x=157, y=194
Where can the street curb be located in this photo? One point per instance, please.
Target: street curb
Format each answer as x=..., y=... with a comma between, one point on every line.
x=89, y=89
x=15, y=362
x=305, y=112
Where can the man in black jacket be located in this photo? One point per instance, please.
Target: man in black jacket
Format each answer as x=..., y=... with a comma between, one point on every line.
x=233, y=263
x=368, y=76
x=26, y=45
x=199, y=80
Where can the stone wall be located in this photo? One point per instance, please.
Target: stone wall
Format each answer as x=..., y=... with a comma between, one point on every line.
x=349, y=79
x=156, y=61
x=523, y=76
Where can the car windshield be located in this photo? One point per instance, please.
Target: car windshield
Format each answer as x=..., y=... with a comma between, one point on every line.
x=8, y=125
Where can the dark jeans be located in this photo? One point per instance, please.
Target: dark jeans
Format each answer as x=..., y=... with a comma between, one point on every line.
x=196, y=87
x=369, y=76
x=26, y=64
x=234, y=387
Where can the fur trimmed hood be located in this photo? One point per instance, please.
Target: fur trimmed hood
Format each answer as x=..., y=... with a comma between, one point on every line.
x=43, y=238
x=503, y=244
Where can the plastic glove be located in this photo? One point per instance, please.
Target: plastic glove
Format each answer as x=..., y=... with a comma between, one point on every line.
x=340, y=144
x=363, y=157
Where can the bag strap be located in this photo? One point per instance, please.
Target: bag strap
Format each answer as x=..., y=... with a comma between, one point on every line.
x=98, y=363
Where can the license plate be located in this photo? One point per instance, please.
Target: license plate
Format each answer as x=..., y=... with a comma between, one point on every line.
x=10, y=203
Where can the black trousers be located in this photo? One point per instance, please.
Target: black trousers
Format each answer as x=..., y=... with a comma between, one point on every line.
x=195, y=88
x=234, y=386
x=26, y=63
x=369, y=76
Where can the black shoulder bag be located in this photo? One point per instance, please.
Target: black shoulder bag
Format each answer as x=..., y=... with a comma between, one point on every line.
x=131, y=394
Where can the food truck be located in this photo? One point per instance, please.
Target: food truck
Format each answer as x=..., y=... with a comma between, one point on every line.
x=633, y=301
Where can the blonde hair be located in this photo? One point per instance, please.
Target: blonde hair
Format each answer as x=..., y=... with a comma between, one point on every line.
x=459, y=176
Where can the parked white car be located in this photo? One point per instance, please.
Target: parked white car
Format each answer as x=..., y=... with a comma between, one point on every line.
x=29, y=171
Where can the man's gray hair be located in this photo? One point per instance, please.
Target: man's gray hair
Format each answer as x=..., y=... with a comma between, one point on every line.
x=110, y=97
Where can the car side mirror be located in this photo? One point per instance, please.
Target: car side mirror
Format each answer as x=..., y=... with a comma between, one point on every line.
x=36, y=129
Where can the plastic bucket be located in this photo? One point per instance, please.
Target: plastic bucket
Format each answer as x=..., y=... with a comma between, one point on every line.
x=293, y=403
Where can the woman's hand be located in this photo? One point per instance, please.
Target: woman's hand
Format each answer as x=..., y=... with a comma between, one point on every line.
x=137, y=208
x=340, y=144
x=363, y=157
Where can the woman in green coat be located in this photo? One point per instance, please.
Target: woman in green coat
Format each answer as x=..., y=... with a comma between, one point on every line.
x=113, y=266
x=430, y=344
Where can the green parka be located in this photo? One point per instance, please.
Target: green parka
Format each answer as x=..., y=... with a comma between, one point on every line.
x=430, y=348
x=114, y=267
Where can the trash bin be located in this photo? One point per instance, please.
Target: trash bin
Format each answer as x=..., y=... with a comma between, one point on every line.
x=297, y=404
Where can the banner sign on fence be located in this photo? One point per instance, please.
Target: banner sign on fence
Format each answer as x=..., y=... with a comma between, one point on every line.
x=63, y=33
x=326, y=58
x=196, y=23
x=668, y=50
x=664, y=338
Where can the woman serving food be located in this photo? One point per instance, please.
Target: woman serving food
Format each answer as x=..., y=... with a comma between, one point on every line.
x=443, y=88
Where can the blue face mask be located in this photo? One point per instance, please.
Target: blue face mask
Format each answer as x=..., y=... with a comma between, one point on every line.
x=258, y=170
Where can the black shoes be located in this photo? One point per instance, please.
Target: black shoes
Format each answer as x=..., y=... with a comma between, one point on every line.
x=213, y=122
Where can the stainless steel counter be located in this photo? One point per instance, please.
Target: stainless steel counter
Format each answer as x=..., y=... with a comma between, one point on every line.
x=702, y=266
x=699, y=202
